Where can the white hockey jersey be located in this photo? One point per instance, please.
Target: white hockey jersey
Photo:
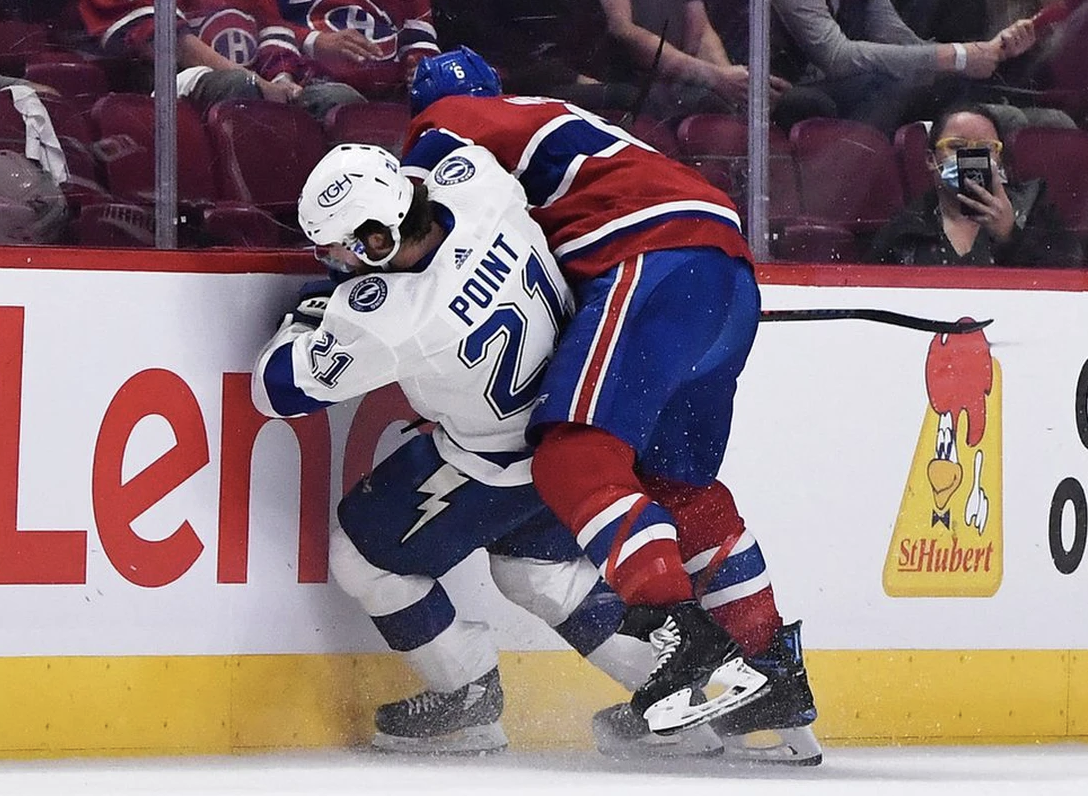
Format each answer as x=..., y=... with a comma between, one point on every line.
x=467, y=335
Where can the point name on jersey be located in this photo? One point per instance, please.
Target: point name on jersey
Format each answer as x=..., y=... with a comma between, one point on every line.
x=480, y=288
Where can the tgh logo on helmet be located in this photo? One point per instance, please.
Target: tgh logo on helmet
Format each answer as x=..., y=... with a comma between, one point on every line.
x=334, y=192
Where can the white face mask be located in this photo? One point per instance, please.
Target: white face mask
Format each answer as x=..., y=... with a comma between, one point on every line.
x=950, y=174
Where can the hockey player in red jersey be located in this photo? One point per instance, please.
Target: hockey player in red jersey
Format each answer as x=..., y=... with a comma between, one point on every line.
x=635, y=410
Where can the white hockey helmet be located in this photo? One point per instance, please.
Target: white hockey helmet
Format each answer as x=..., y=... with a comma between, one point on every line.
x=353, y=184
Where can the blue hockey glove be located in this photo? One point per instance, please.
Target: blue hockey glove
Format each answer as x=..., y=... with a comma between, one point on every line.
x=313, y=300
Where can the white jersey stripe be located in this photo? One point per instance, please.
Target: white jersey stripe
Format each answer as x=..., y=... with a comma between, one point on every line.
x=420, y=25
x=127, y=19
x=617, y=509
x=538, y=136
x=622, y=316
x=651, y=533
x=699, y=561
x=586, y=366
x=640, y=216
x=277, y=30
x=737, y=591
x=576, y=165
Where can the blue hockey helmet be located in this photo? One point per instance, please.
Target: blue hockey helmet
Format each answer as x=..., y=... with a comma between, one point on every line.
x=460, y=71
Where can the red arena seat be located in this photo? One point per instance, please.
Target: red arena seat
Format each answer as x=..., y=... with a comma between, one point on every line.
x=263, y=153
x=12, y=127
x=381, y=123
x=19, y=41
x=658, y=133
x=848, y=174
x=717, y=146
x=126, y=146
x=69, y=78
x=911, y=153
x=1060, y=156
x=83, y=183
x=815, y=243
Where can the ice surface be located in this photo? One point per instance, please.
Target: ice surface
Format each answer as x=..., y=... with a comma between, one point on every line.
x=918, y=771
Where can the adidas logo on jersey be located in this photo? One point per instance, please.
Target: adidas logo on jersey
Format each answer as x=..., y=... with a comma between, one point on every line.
x=459, y=257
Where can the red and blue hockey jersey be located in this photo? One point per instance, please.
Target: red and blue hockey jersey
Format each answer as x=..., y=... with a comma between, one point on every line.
x=600, y=194
x=250, y=33
x=123, y=25
x=400, y=27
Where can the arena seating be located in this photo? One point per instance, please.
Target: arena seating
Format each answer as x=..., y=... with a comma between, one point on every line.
x=655, y=132
x=125, y=145
x=263, y=153
x=813, y=242
x=833, y=183
x=71, y=78
x=18, y=42
x=848, y=174
x=911, y=151
x=716, y=145
x=73, y=131
x=1061, y=158
x=381, y=123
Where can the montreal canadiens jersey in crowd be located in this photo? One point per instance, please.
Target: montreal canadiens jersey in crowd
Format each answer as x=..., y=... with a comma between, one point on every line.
x=121, y=25
x=399, y=27
x=467, y=337
x=250, y=33
x=600, y=194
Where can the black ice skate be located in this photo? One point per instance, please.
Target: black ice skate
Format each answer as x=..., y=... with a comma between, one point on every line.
x=699, y=674
x=777, y=728
x=619, y=733
x=465, y=721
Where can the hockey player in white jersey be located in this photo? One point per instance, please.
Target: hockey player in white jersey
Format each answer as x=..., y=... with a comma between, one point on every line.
x=451, y=292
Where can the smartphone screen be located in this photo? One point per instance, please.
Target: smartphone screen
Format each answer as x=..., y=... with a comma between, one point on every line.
x=974, y=165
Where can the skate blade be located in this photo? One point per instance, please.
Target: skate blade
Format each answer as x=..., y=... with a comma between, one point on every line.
x=737, y=684
x=485, y=739
x=794, y=746
x=699, y=741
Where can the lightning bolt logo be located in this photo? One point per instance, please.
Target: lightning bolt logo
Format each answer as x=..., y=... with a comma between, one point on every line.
x=445, y=479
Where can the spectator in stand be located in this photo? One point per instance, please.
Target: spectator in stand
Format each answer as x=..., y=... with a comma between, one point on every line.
x=539, y=47
x=857, y=59
x=694, y=73
x=373, y=45
x=1060, y=28
x=227, y=49
x=1014, y=225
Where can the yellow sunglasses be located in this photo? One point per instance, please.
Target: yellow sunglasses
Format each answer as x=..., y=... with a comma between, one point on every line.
x=952, y=144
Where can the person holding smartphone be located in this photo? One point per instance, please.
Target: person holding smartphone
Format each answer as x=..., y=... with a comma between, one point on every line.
x=975, y=215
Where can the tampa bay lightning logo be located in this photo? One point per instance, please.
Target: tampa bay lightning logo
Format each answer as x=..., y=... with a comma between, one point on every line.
x=454, y=170
x=368, y=294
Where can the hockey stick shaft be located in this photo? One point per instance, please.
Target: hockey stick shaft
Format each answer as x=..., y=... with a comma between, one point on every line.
x=877, y=316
